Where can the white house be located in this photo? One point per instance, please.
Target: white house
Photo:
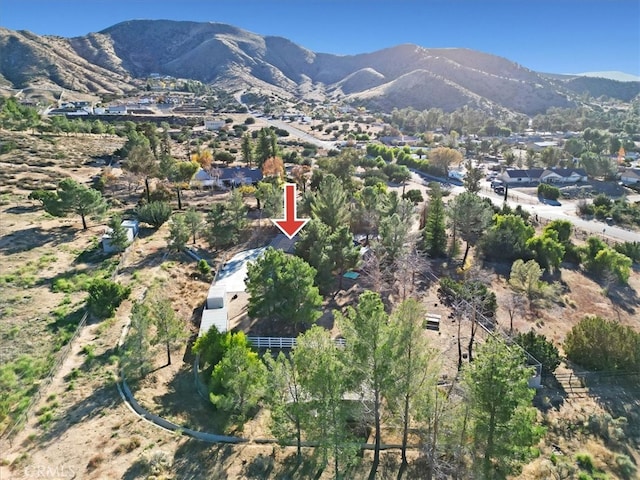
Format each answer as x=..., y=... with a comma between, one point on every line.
x=520, y=177
x=117, y=110
x=564, y=175
x=227, y=177
x=213, y=124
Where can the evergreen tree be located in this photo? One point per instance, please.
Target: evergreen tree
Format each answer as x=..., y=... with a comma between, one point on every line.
x=412, y=368
x=247, y=150
x=286, y=399
x=343, y=255
x=434, y=233
x=504, y=423
x=366, y=331
x=329, y=204
x=118, y=236
x=170, y=329
x=470, y=216
x=312, y=247
x=193, y=221
x=326, y=380
x=263, y=148
x=155, y=214
x=73, y=197
x=393, y=239
x=281, y=287
x=136, y=356
x=238, y=381
x=178, y=233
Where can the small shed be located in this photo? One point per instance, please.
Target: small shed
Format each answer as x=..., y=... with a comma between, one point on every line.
x=132, y=227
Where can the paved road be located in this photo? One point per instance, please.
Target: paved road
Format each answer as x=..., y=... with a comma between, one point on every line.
x=565, y=211
x=304, y=136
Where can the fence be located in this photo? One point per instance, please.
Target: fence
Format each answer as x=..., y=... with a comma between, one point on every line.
x=281, y=342
x=488, y=327
x=14, y=427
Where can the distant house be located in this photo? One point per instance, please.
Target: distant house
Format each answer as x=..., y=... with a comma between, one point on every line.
x=226, y=177
x=117, y=110
x=520, y=177
x=399, y=140
x=564, y=175
x=236, y=176
x=537, y=146
x=213, y=124
x=630, y=176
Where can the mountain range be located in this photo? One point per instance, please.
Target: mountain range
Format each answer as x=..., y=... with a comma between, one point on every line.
x=116, y=59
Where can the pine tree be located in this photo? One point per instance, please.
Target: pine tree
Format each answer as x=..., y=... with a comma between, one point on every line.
x=73, y=197
x=118, y=238
x=434, y=233
x=369, y=354
x=504, y=422
x=329, y=204
x=282, y=287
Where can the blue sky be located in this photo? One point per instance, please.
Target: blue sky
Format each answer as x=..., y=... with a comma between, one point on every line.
x=559, y=36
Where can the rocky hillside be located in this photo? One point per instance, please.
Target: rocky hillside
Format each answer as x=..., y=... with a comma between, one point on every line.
x=405, y=75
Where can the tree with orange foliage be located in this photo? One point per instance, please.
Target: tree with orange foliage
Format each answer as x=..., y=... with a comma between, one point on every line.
x=273, y=167
x=203, y=158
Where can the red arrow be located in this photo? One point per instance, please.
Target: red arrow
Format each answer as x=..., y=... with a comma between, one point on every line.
x=290, y=225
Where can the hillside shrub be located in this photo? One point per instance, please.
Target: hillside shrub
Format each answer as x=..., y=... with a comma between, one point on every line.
x=548, y=191
x=629, y=249
x=600, y=259
x=414, y=196
x=451, y=291
x=105, y=296
x=154, y=213
x=599, y=344
x=542, y=350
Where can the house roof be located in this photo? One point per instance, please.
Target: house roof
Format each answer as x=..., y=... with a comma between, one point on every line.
x=516, y=173
x=243, y=172
x=532, y=173
x=202, y=175
x=631, y=172
x=217, y=317
x=565, y=172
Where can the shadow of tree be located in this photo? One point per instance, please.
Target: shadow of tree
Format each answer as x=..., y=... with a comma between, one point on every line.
x=310, y=466
x=196, y=413
x=194, y=459
x=34, y=237
x=624, y=298
x=99, y=402
x=551, y=395
x=18, y=209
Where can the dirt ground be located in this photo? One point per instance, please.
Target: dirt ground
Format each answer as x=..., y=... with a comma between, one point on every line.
x=94, y=435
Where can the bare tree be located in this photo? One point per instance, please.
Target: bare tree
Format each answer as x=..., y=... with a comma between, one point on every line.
x=514, y=304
